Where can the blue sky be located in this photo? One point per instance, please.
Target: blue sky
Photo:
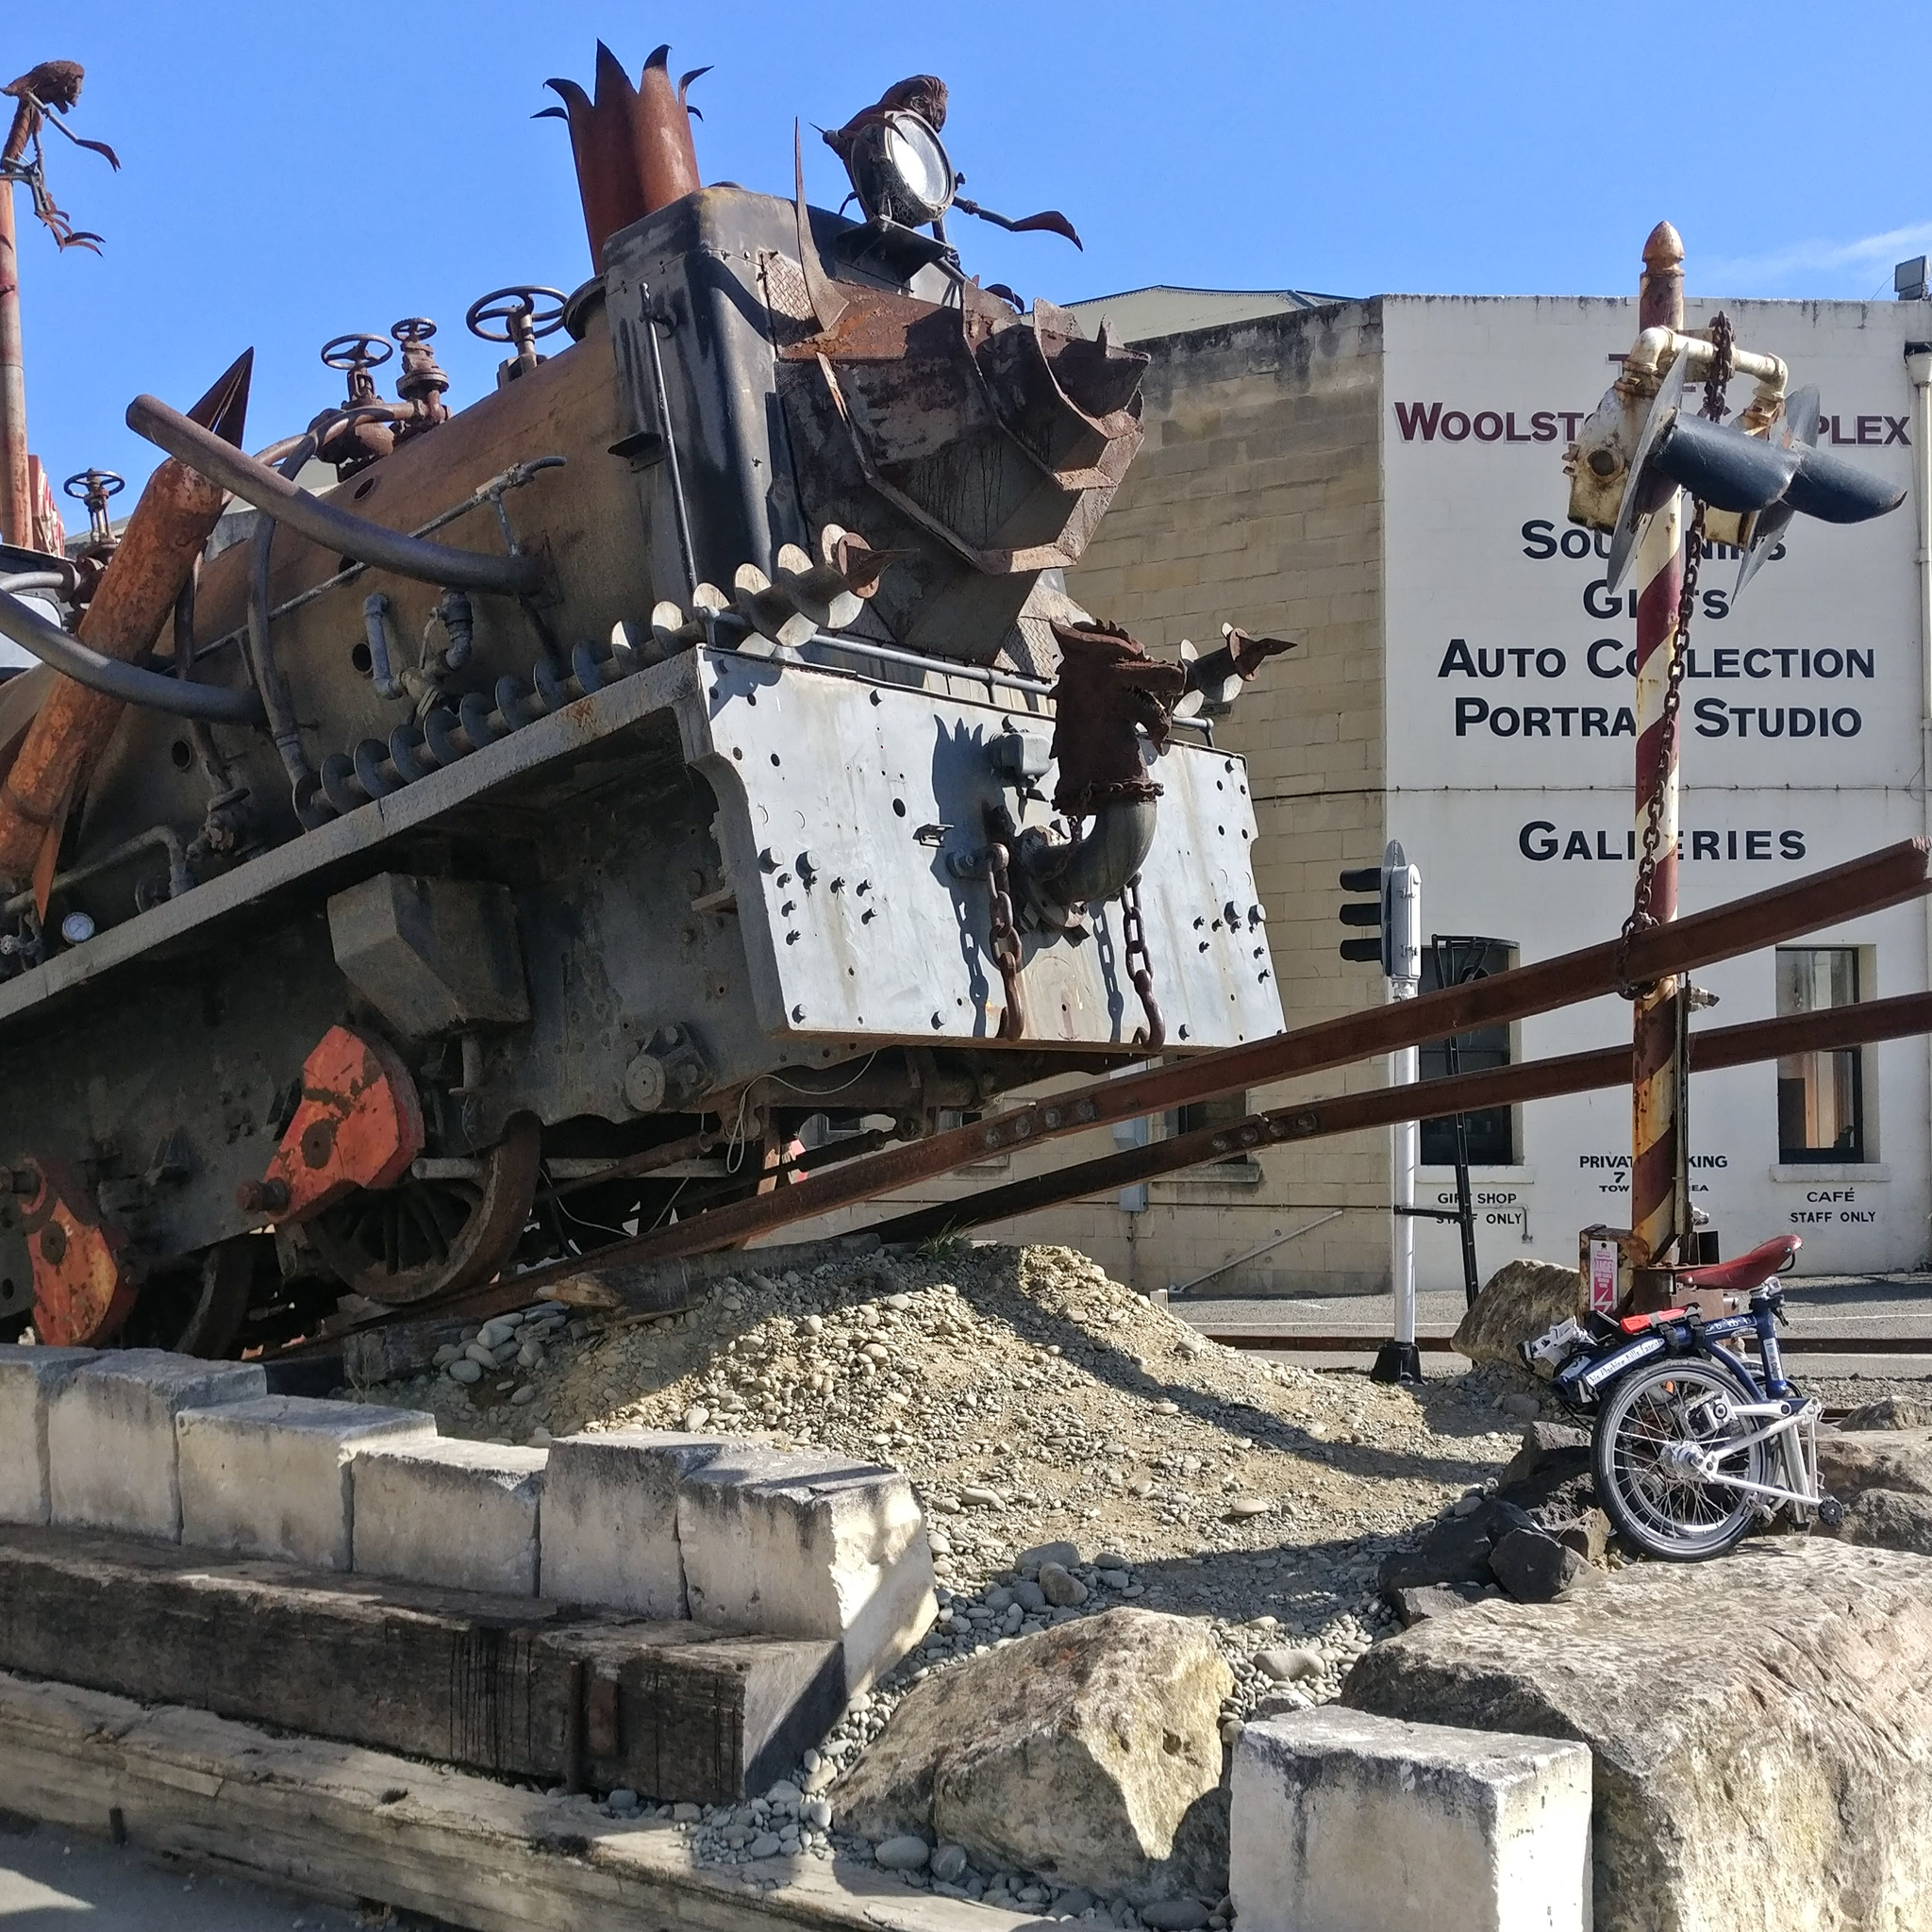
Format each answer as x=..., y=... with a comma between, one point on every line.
x=288, y=176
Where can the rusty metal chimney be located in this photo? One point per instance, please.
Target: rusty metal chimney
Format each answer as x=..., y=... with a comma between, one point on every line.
x=632, y=145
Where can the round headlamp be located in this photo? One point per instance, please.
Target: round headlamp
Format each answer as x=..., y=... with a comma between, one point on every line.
x=914, y=169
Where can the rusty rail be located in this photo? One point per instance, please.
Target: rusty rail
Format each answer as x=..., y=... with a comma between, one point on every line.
x=1886, y=877
x=1718, y=1047
x=1576, y=1073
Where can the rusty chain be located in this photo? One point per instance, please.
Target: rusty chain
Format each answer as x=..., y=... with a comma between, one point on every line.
x=1003, y=940
x=1141, y=967
x=1642, y=915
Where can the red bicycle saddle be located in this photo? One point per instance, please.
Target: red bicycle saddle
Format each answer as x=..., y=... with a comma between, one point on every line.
x=1748, y=1271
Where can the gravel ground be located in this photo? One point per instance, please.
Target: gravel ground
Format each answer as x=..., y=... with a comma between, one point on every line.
x=1031, y=1401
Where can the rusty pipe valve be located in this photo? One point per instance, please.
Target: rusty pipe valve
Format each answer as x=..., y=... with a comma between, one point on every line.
x=95, y=488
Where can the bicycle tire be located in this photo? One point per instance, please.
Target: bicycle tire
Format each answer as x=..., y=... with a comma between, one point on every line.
x=1663, y=1513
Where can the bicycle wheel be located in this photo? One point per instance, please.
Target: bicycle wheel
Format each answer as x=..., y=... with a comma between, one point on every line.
x=1652, y=1435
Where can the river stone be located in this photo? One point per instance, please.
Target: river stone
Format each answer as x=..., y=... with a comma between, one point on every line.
x=1756, y=1726
x=1534, y=1567
x=1090, y=1753
x=1518, y=1302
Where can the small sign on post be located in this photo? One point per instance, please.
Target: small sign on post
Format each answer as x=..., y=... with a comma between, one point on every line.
x=1603, y=1276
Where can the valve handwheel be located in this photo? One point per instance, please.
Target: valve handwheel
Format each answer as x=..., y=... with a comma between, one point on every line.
x=525, y=314
x=354, y=351
x=412, y=329
x=92, y=486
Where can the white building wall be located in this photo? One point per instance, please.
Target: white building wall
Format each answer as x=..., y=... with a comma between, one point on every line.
x=1510, y=757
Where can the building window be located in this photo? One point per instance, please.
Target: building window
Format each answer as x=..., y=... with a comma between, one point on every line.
x=1493, y=1132
x=1821, y=1096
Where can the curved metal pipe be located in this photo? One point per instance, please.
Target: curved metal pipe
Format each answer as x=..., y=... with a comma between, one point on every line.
x=1098, y=866
x=321, y=522
x=112, y=678
x=376, y=628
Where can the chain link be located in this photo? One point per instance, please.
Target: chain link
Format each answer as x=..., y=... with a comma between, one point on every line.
x=1643, y=912
x=1003, y=941
x=1141, y=967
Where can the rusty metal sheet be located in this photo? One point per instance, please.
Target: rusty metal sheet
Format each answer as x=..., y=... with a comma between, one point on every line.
x=85, y=1277
x=358, y=1124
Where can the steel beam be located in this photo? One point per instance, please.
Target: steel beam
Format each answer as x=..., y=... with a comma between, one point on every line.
x=1576, y=1073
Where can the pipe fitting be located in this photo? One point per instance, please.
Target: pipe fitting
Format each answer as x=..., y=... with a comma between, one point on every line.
x=375, y=627
x=1092, y=868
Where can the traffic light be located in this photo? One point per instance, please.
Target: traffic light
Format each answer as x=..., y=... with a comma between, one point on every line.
x=1392, y=910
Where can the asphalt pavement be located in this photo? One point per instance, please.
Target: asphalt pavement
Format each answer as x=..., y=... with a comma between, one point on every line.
x=1847, y=1308
x=61, y=1881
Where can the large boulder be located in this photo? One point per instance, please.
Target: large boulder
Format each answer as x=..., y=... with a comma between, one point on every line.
x=1890, y=1413
x=1884, y=1479
x=1517, y=1303
x=1759, y=1727
x=1848, y=1465
x=1090, y=1754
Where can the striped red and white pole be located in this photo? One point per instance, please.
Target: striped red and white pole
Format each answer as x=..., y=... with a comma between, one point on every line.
x=1653, y=1162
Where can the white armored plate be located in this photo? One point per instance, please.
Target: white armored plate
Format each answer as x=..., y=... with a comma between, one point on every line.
x=844, y=798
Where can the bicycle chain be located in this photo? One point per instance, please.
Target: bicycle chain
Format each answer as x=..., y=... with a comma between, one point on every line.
x=1642, y=917
x=1141, y=967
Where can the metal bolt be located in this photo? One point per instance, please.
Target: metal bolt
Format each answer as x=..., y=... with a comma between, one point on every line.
x=318, y=1142
x=54, y=1243
x=262, y=1197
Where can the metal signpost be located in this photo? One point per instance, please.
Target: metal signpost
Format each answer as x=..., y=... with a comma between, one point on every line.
x=1635, y=457
x=1396, y=912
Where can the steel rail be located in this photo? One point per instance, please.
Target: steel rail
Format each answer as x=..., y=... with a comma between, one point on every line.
x=323, y=524
x=1577, y=1073
x=1886, y=877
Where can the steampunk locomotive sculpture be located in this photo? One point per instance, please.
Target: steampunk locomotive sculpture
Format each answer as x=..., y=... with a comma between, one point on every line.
x=518, y=842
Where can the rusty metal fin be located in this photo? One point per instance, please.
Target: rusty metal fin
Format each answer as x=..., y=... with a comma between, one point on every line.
x=225, y=407
x=613, y=83
x=825, y=301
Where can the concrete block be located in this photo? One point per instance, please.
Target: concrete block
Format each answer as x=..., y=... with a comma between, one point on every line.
x=464, y=1515
x=271, y=1477
x=29, y=1379
x=807, y=1546
x=1343, y=1821
x=610, y=1519
x=111, y=1460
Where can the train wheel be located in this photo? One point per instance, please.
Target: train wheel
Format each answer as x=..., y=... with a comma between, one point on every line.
x=198, y=1310
x=421, y=1238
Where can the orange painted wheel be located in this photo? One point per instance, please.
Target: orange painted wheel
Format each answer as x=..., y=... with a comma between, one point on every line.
x=421, y=1238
